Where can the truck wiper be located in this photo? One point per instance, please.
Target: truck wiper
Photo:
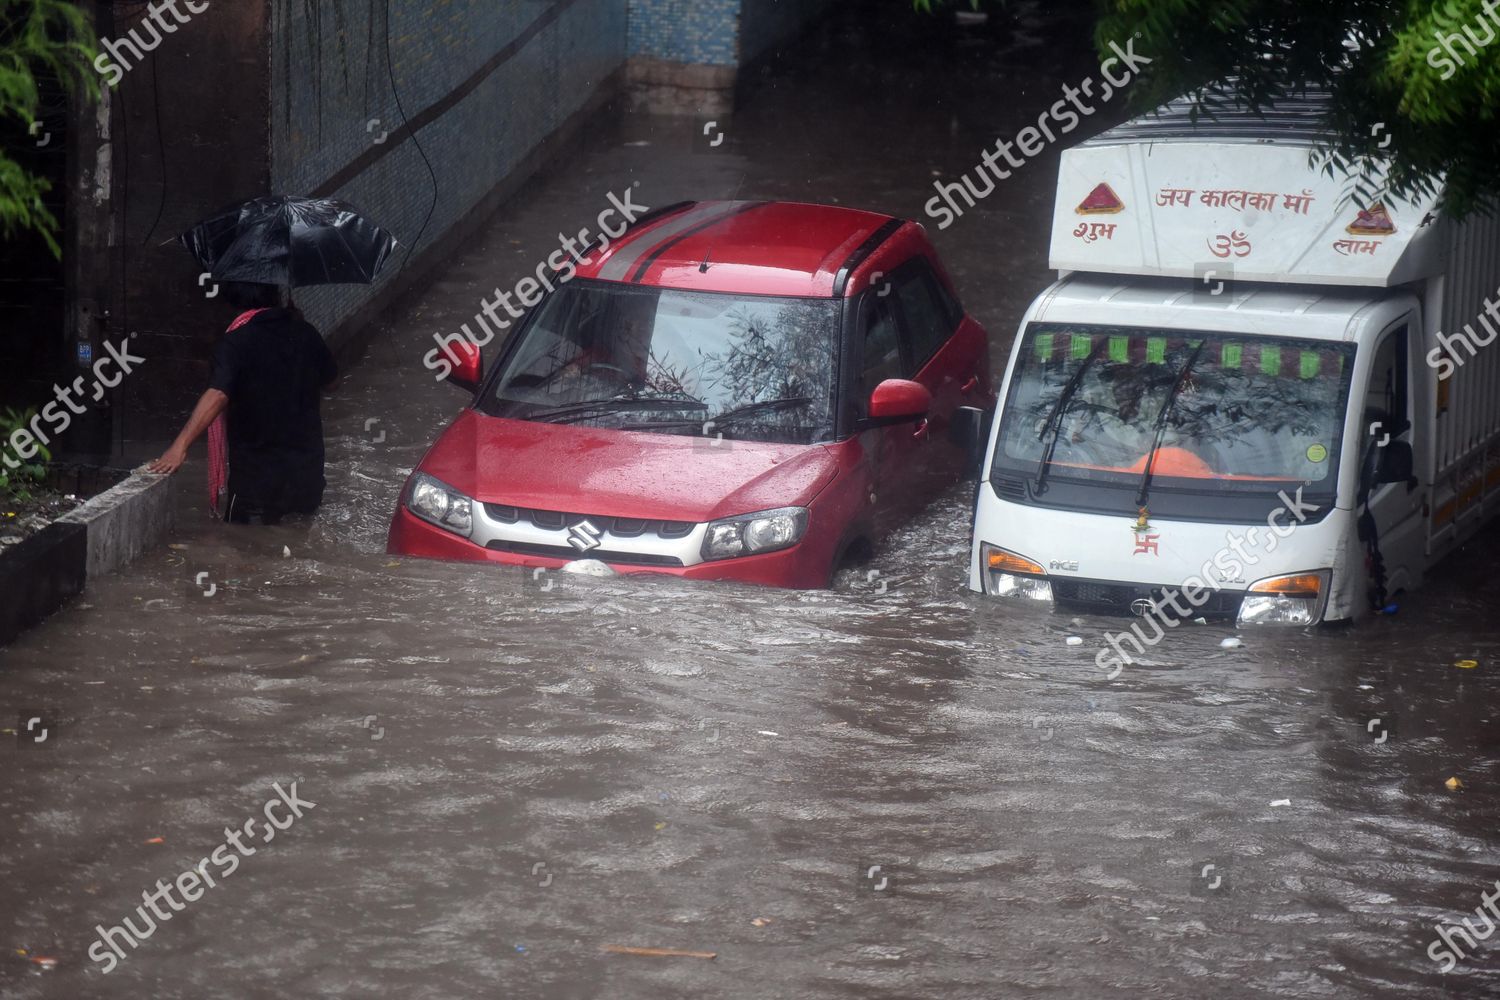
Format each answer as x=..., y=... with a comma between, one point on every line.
x=1161, y=422
x=1060, y=410
x=614, y=403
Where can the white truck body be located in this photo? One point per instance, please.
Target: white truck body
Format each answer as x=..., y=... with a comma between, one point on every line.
x=1219, y=292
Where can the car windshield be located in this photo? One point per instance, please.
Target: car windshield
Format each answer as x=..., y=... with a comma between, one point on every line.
x=1251, y=413
x=652, y=359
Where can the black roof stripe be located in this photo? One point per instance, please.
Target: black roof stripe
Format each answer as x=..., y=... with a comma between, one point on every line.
x=669, y=244
x=647, y=219
x=862, y=253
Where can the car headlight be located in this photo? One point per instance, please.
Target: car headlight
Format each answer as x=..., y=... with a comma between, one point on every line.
x=750, y=534
x=1295, y=599
x=1006, y=574
x=435, y=501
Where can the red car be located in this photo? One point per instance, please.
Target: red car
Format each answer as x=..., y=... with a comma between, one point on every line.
x=730, y=390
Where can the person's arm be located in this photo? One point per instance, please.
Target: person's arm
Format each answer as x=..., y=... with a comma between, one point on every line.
x=210, y=405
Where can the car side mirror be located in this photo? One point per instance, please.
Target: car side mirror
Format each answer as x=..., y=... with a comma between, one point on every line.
x=970, y=431
x=468, y=366
x=898, y=401
x=1396, y=463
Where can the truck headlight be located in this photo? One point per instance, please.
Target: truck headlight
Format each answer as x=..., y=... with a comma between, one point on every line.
x=1295, y=599
x=1006, y=574
x=750, y=534
x=435, y=501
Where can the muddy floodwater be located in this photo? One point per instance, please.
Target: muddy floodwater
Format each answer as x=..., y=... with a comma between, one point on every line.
x=894, y=789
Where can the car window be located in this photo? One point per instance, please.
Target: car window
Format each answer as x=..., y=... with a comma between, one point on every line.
x=1386, y=394
x=926, y=317
x=669, y=361
x=882, y=346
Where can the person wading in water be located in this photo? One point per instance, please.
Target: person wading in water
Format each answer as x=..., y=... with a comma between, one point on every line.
x=267, y=372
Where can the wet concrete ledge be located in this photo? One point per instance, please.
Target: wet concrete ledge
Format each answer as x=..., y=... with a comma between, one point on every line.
x=39, y=575
x=125, y=521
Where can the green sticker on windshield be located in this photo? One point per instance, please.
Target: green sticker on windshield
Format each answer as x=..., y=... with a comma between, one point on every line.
x=1231, y=356
x=1156, y=350
x=1083, y=344
x=1044, y=346
x=1310, y=366
x=1317, y=453
x=1119, y=349
x=1270, y=360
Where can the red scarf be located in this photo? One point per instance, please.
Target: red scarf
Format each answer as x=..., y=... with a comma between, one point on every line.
x=218, y=439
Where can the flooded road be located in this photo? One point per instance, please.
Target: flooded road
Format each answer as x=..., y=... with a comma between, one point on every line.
x=511, y=773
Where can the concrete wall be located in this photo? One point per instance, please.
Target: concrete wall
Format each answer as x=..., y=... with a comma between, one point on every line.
x=484, y=83
x=764, y=24
x=188, y=138
x=296, y=96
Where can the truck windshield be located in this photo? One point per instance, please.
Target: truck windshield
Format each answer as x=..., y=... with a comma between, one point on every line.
x=1252, y=414
x=642, y=358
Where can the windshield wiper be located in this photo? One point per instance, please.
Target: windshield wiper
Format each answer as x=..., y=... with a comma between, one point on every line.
x=768, y=404
x=614, y=403
x=1059, y=410
x=734, y=414
x=1161, y=421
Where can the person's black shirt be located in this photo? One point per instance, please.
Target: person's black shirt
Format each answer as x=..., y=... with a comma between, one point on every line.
x=272, y=369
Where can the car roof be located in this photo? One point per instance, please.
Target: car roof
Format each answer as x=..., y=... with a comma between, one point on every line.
x=750, y=247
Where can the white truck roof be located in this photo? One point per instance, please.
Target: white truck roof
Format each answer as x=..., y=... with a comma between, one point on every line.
x=1315, y=313
x=1237, y=195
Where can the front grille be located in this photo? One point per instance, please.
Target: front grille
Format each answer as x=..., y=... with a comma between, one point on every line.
x=1116, y=598
x=620, y=527
x=568, y=552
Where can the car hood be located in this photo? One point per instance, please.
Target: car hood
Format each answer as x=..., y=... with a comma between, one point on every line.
x=636, y=474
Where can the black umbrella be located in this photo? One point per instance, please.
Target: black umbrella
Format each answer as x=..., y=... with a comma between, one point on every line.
x=290, y=241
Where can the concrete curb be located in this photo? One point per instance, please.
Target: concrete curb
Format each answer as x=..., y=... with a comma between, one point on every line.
x=125, y=521
x=38, y=576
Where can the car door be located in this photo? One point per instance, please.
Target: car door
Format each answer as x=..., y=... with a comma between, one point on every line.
x=896, y=453
x=946, y=357
x=1396, y=507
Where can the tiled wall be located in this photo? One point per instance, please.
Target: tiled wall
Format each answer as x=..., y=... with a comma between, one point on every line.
x=702, y=32
x=330, y=81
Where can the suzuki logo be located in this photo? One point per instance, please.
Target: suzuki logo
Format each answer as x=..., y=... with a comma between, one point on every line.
x=584, y=537
x=1146, y=545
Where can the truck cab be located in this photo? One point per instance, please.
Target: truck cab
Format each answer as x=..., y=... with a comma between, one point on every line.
x=1230, y=403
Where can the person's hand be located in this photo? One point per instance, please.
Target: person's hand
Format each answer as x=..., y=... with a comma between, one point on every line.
x=171, y=460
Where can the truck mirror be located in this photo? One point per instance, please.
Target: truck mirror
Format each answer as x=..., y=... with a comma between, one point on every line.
x=1395, y=464
x=970, y=430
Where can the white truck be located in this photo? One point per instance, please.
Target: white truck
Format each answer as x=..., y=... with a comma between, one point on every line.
x=1249, y=395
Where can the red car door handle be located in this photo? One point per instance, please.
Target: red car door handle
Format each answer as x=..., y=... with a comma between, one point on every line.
x=970, y=385
x=920, y=434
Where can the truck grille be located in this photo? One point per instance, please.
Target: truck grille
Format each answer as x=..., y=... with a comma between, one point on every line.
x=1116, y=598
